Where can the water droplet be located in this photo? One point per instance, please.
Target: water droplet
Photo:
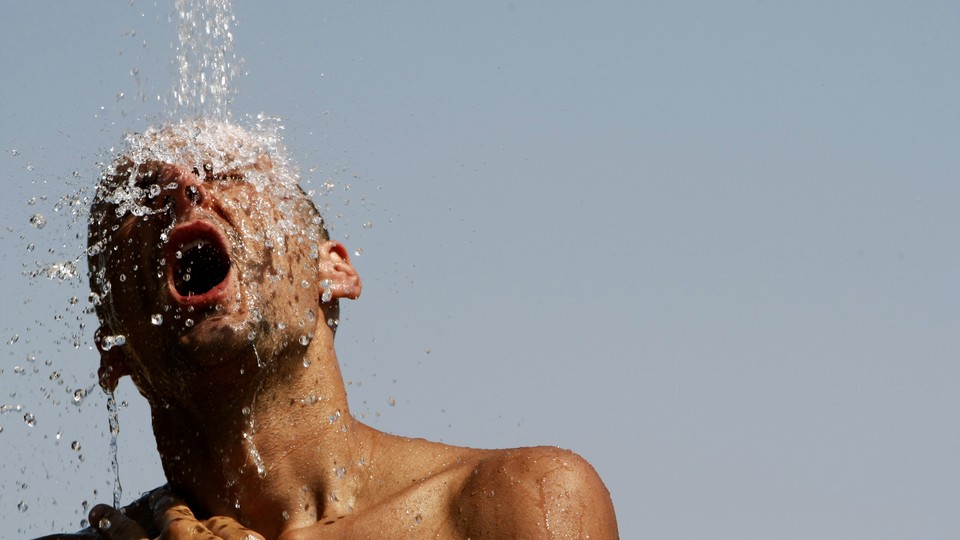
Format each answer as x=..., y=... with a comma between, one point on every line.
x=327, y=295
x=59, y=271
x=418, y=519
x=305, y=340
x=31, y=201
x=104, y=524
x=13, y=339
x=22, y=506
x=327, y=292
x=368, y=225
x=38, y=221
x=123, y=278
x=156, y=319
x=109, y=342
x=188, y=323
x=75, y=445
x=304, y=284
x=392, y=401
x=30, y=419
x=358, y=252
x=341, y=472
x=426, y=351
x=78, y=395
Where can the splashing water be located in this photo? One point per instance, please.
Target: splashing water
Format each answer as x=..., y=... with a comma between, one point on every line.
x=204, y=138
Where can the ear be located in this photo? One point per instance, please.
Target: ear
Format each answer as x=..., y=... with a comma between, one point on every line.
x=335, y=268
x=113, y=362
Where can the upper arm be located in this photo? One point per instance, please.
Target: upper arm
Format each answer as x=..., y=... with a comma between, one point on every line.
x=537, y=492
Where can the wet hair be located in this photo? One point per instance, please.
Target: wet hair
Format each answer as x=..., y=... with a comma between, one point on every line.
x=212, y=148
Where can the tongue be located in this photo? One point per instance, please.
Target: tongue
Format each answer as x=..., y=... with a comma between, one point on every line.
x=201, y=267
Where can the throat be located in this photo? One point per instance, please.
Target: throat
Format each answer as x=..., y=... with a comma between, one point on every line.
x=271, y=486
x=279, y=441
x=274, y=461
x=200, y=267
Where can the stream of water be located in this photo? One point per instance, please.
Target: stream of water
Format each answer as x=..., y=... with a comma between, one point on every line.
x=206, y=65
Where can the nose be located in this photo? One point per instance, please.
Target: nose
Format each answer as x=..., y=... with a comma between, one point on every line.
x=189, y=190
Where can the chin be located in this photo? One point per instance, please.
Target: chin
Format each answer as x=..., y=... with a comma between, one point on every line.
x=217, y=340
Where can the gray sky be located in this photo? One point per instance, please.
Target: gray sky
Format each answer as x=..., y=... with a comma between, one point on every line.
x=710, y=246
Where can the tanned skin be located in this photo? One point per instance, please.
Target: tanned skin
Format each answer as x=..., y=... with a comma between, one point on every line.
x=256, y=438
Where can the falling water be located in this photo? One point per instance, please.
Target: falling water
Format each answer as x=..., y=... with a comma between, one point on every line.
x=206, y=65
x=206, y=62
x=114, y=421
x=198, y=110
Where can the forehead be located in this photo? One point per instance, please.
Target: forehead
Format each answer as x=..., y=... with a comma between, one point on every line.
x=213, y=146
x=210, y=149
x=222, y=153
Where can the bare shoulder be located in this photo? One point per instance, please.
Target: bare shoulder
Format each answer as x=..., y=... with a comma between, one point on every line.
x=537, y=492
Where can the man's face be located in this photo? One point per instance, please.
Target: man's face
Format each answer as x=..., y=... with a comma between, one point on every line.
x=205, y=268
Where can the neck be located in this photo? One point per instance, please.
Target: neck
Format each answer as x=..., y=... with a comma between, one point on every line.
x=278, y=456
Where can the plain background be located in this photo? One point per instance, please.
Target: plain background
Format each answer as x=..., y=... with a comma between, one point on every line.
x=710, y=246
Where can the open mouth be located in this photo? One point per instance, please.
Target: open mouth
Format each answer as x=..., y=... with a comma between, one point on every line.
x=198, y=264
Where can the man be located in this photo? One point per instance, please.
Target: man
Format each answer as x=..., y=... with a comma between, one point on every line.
x=219, y=295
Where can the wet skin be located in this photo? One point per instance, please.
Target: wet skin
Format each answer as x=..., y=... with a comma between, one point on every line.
x=251, y=419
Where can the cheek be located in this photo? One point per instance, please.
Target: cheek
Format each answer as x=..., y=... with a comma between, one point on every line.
x=291, y=298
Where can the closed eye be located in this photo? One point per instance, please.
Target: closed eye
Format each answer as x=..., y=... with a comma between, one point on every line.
x=231, y=175
x=147, y=174
x=131, y=221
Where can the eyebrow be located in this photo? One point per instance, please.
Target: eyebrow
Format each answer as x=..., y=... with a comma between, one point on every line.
x=126, y=225
x=230, y=174
x=149, y=175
